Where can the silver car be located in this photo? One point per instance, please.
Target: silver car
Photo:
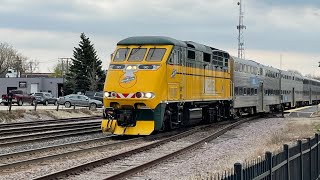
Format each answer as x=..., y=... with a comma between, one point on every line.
x=79, y=100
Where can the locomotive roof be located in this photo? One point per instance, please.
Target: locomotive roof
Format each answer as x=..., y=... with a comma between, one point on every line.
x=151, y=40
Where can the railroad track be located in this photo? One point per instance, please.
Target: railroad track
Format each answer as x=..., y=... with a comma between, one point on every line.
x=38, y=132
x=130, y=162
x=40, y=155
x=30, y=123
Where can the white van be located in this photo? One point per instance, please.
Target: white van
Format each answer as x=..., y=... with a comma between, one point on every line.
x=11, y=73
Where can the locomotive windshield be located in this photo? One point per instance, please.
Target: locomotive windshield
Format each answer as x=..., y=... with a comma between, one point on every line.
x=121, y=54
x=155, y=54
x=137, y=54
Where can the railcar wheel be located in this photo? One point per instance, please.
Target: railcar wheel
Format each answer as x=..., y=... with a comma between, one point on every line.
x=45, y=103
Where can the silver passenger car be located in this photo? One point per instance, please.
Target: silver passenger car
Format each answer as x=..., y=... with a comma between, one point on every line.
x=79, y=100
x=260, y=88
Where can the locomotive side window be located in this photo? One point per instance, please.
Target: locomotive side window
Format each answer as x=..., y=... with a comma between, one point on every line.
x=206, y=57
x=121, y=54
x=155, y=54
x=137, y=54
x=191, y=54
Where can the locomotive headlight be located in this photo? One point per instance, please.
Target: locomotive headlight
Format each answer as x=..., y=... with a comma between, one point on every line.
x=106, y=94
x=110, y=94
x=131, y=67
x=149, y=95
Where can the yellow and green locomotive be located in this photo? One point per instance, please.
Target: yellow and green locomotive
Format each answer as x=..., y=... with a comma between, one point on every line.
x=159, y=83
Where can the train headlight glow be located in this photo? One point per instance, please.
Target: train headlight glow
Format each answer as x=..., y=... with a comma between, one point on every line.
x=106, y=94
x=148, y=95
x=131, y=67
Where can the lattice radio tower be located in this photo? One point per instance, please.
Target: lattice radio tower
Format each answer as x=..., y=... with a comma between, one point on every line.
x=241, y=28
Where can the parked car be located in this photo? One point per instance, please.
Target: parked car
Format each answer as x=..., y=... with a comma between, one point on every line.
x=79, y=100
x=98, y=96
x=90, y=94
x=19, y=97
x=45, y=98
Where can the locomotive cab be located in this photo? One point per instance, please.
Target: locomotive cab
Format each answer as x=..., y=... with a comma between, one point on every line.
x=133, y=86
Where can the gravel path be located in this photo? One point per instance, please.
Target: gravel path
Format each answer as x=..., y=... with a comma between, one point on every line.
x=235, y=146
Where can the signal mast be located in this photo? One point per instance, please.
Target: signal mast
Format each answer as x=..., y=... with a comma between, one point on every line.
x=241, y=28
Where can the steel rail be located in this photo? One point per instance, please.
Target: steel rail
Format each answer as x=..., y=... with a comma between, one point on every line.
x=50, y=135
x=106, y=160
x=19, y=124
x=58, y=155
x=70, y=153
x=15, y=131
x=178, y=152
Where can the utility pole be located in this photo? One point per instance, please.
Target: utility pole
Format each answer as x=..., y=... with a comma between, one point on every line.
x=241, y=28
x=280, y=61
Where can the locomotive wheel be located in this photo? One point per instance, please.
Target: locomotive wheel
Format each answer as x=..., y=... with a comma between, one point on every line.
x=166, y=123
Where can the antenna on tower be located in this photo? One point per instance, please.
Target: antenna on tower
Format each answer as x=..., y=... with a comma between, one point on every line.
x=241, y=27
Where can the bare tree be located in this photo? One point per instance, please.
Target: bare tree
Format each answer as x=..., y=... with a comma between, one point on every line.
x=19, y=63
x=7, y=57
x=294, y=71
x=31, y=66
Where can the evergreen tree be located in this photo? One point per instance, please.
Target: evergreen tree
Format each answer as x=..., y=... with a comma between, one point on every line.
x=85, y=73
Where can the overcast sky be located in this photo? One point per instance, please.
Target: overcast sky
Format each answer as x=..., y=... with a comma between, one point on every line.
x=46, y=30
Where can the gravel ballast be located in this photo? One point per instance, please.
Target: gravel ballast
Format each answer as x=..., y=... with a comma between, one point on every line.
x=247, y=142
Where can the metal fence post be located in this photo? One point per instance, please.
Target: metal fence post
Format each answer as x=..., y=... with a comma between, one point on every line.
x=269, y=163
x=35, y=105
x=317, y=158
x=74, y=106
x=58, y=107
x=10, y=105
x=238, y=171
x=301, y=159
x=310, y=156
x=287, y=155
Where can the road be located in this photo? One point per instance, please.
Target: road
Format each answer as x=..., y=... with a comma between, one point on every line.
x=307, y=111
